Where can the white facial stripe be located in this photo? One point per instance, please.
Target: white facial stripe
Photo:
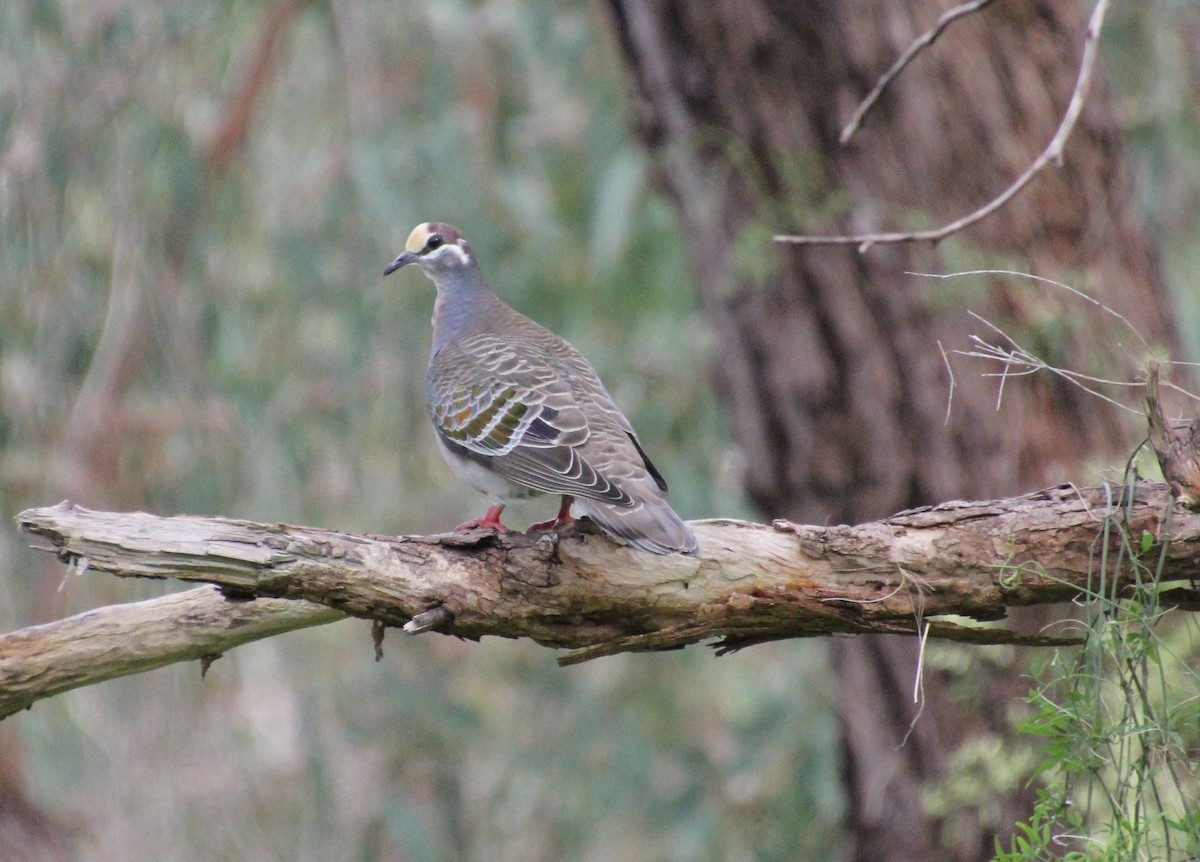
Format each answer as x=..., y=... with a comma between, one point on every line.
x=439, y=255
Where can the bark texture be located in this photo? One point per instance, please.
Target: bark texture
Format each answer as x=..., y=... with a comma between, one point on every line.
x=752, y=583
x=106, y=643
x=829, y=367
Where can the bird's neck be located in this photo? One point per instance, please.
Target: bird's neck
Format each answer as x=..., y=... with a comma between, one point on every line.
x=464, y=305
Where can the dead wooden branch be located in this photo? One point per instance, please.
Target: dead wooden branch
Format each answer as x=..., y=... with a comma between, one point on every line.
x=1051, y=154
x=195, y=625
x=918, y=45
x=950, y=568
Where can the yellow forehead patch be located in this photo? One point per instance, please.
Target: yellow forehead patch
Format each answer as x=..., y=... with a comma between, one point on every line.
x=418, y=238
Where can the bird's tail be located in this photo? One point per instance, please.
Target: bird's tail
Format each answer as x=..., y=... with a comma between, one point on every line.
x=650, y=525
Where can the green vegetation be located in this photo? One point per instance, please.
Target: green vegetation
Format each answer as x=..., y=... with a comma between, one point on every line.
x=1121, y=767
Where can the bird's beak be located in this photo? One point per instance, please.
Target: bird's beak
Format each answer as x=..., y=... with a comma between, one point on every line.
x=403, y=260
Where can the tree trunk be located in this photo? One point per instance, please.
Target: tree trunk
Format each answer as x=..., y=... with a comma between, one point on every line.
x=829, y=364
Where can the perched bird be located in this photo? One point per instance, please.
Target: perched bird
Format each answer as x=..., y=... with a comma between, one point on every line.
x=518, y=411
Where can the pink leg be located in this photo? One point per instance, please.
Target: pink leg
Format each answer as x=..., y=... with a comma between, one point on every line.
x=491, y=519
x=560, y=520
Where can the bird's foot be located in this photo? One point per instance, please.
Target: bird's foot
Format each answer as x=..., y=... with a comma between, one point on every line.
x=490, y=521
x=552, y=524
x=560, y=520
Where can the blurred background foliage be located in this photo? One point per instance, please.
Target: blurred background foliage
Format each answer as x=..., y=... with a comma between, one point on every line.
x=197, y=201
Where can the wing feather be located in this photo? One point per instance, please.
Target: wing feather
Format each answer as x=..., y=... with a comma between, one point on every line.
x=505, y=406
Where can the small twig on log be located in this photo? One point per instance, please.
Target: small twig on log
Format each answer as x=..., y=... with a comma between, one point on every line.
x=428, y=620
x=1052, y=153
x=919, y=44
x=1178, y=451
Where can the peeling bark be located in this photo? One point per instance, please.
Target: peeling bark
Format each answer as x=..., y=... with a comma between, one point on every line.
x=578, y=590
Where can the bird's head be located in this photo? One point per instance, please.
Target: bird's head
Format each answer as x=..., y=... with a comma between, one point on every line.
x=435, y=247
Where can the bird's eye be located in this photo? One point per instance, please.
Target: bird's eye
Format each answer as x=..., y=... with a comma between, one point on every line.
x=434, y=241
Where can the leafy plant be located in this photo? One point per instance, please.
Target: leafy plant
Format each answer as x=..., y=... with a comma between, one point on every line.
x=1118, y=718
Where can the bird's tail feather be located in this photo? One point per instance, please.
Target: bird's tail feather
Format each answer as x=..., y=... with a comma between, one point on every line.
x=650, y=525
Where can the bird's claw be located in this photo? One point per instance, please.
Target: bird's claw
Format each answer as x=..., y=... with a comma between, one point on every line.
x=552, y=524
x=490, y=521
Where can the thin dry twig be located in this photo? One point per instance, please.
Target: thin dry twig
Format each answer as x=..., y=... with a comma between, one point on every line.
x=950, y=371
x=919, y=682
x=919, y=44
x=1028, y=363
x=1052, y=153
x=1016, y=361
x=919, y=679
x=1043, y=280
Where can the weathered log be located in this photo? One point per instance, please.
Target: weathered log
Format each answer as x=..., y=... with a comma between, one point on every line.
x=906, y=574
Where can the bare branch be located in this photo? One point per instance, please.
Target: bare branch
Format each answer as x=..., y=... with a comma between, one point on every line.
x=196, y=625
x=919, y=44
x=1075, y=292
x=1052, y=153
x=950, y=373
x=1029, y=363
x=907, y=574
x=1016, y=361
